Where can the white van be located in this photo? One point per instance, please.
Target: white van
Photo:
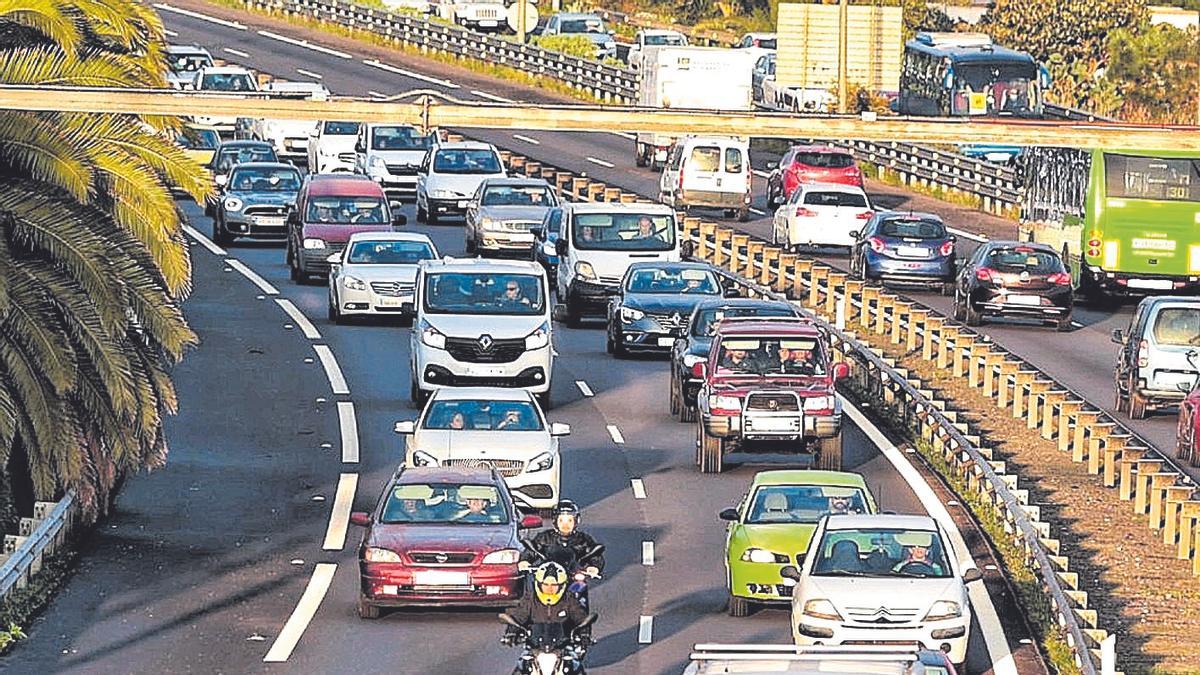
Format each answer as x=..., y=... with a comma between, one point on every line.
x=708, y=171
x=481, y=323
x=598, y=241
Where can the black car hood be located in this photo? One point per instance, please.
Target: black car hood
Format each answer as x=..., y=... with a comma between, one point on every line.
x=699, y=346
x=664, y=303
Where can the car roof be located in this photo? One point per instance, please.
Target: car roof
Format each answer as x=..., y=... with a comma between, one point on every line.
x=619, y=207
x=391, y=236
x=660, y=31
x=481, y=393
x=881, y=520
x=744, y=302
x=465, y=145
x=265, y=165
x=482, y=265
x=344, y=187
x=447, y=474
x=244, y=144
x=768, y=326
x=819, y=147
x=714, y=138
x=540, y=182
x=680, y=265
x=908, y=215
x=225, y=70
x=188, y=49
x=1185, y=300
x=832, y=187
x=809, y=477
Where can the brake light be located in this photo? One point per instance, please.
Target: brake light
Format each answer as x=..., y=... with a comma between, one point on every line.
x=877, y=244
x=1093, y=249
x=698, y=370
x=947, y=248
x=983, y=274
x=865, y=215
x=1060, y=279
x=681, y=167
x=802, y=212
x=1143, y=354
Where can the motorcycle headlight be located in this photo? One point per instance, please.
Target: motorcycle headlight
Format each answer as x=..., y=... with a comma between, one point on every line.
x=507, y=556
x=233, y=204
x=312, y=243
x=758, y=555
x=716, y=402
x=542, y=462
x=380, y=555
x=583, y=270
x=944, y=609
x=629, y=314
x=822, y=609
x=422, y=458
x=432, y=336
x=819, y=403
x=538, y=338
x=690, y=360
x=354, y=283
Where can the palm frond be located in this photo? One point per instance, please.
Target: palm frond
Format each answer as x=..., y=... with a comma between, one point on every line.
x=31, y=146
x=47, y=17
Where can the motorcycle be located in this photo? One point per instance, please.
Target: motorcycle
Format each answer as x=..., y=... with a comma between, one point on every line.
x=549, y=649
x=576, y=567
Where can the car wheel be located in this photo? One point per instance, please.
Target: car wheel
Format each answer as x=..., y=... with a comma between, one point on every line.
x=618, y=346
x=470, y=245
x=1193, y=455
x=741, y=215
x=673, y=397
x=1137, y=404
x=639, y=155
x=971, y=316
x=739, y=607
x=829, y=453
x=421, y=215
x=431, y=217
x=544, y=399
x=415, y=394
x=366, y=610
x=712, y=450
x=220, y=236
x=959, y=315
x=608, y=341
x=1120, y=397
x=1063, y=324
x=687, y=409
x=334, y=315
x=293, y=270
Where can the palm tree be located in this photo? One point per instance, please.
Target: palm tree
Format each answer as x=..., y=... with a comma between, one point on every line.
x=93, y=263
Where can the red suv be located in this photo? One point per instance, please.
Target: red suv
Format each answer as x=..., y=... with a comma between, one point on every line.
x=810, y=164
x=441, y=536
x=330, y=208
x=769, y=384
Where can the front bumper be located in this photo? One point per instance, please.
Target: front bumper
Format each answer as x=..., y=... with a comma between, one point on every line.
x=272, y=228
x=531, y=371
x=806, y=425
x=447, y=207
x=315, y=261
x=368, y=302
x=539, y=489
x=397, y=187
x=760, y=581
x=647, y=335
x=591, y=296
x=1120, y=283
x=505, y=241
x=394, y=585
x=808, y=630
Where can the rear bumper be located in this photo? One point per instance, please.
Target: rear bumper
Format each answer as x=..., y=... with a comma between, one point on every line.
x=910, y=271
x=1055, y=305
x=591, y=296
x=706, y=198
x=1121, y=283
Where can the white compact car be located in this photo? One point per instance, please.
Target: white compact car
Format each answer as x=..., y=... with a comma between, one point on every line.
x=481, y=323
x=883, y=579
x=182, y=63
x=502, y=427
x=376, y=273
x=450, y=175
x=821, y=214
x=331, y=147
x=224, y=79
x=391, y=154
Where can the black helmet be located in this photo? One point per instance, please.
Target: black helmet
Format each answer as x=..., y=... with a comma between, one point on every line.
x=566, y=507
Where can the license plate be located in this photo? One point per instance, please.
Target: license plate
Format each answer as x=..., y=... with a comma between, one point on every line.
x=912, y=251
x=462, y=203
x=1152, y=284
x=1154, y=244
x=771, y=423
x=440, y=578
x=488, y=23
x=389, y=302
x=1024, y=300
x=484, y=371
x=269, y=221
x=666, y=342
x=389, y=589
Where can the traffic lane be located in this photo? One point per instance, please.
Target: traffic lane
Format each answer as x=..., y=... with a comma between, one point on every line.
x=196, y=558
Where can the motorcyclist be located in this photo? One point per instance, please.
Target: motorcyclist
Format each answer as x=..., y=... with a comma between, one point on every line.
x=565, y=543
x=549, y=603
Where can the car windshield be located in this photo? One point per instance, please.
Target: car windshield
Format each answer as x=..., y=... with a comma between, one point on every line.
x=188, y=62
x=708, y=320
x=228, y=82
x=228, y=157
x=340, y=128
x=880, y=552
x=803, y=503
x=588, y=25
x=346, y=211
x=246, y=179
x=199, y=139
x=517, y=195
x=912, y=228
x=825, y=160
x=835, y=198
x=390, y=252
x=672, y=280
x=802, y=356
x=484, y=293
x=479, y=161
x=479, y=415
x=1178, y=326
x=624, y=232
x=663, y=40
x=444, y=503
x=399, y=138
x=1017, y=259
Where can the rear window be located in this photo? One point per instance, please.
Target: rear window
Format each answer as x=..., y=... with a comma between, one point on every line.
x=341, y=128
x=835, y=199
x=733, y=160
x=705, y=158
x=1177, y=326
x=1023, y=259
x=912, y=229
x=825, y=160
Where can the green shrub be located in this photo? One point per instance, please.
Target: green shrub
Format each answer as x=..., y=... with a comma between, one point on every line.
x=571, y=45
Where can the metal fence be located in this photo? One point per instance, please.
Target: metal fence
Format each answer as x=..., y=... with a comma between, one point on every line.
x=39, y=536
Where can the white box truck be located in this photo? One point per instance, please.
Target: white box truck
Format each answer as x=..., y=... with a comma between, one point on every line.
x=695, y=78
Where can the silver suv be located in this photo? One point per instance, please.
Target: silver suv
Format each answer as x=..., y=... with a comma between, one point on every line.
x=1156, y=366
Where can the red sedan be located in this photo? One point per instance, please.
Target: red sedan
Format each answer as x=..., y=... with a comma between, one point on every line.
x=438, y=537
x=1189, y=427
x=810, y=164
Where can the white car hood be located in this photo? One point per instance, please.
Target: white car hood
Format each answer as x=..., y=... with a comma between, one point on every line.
x=412, y=157
x=464, y=185
x=402, y=273
x=518, y=445
x=890, y=592
x=474, y=325
x=288, y=128
x=336, y=144
x=615, y=263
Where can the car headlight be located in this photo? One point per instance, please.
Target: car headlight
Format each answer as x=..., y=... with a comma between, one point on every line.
x=716, y=402
x=507, y=556
x=312, y=243
x=629, y=314
x=382, y=555
x=542, y=462
x=491, y=223
x=548, y=249
x=538, y=338
x=583, y=270
x=819, y=403
x=821, y=609
x=233, y=204
x=758, y=555
x=377, y=164
x=439, y=193
x=944, y=609
x=422, y=458
x=690, y=360
x=432, y=336
x=354, y=283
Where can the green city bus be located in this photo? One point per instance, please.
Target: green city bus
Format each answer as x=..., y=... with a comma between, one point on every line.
x=1137, y=213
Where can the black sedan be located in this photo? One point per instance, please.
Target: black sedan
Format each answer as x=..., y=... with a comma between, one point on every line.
x=1014, y=279
x=653, y=305
x=693, y=347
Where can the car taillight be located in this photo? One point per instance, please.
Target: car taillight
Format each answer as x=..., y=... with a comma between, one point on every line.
x=1143, y=354
x=681, y=165
x=947, y=248
x=865, y=215
x=802, y=212
x=1093, y=249
x=1060, y=278
x=698, y=370
x=983, y=274
x=876, y=243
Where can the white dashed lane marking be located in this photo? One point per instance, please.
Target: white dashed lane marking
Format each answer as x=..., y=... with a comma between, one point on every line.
x=339, y=518
x=648, y=553
x=600, y=162
x=645, y=630
x=615, y=433
x=250, y=274
x=333, y=371
x=309, y=73
x=408, y=73
x=527, y=139
x=639, y=488
x=235, y=52
x=348, y=422
x=491, y=97
x=310, y=331
x=305, y=44
x=197, y=15
x=584, y=388
x=204, y=241
x=314, y=593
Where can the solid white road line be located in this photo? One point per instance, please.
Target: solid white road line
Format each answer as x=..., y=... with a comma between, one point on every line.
x=309, y=330
x=170, y=33
x=492, y=97
x=600, y=162
x=648, y=553
x=305, y=44
x=263, y=284
x=332, y=370
x=639, y=488
x=993, y=632
x=967, y=235
x=616, y=434
x=757, y=211
x=339, y=518
x=235, y=52
x=197, y=15
x=645, y=630
x=408, y=73
x=314, y=593
x=204, y=241
x=376, y=94
x=309, y=73
x=527, y=139
x=584, y=388
x=348, y=422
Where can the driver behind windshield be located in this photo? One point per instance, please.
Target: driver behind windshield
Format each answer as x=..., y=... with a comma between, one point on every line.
x=917, y=560
x=477, y=505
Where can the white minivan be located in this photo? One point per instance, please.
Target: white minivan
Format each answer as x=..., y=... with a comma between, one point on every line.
x=481, y=323
x=597, y=243
x=449, y=176
x=708, y=171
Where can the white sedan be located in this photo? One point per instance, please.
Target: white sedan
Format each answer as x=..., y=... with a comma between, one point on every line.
x=490, y=425
x=821, y=214
x=376, y=273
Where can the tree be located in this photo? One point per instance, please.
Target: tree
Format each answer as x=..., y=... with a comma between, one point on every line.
x=93, y=263
x=1156, y=71
x=1073, y=29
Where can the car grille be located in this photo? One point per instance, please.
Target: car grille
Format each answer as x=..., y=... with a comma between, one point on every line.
x=773, y=402
x=675, y=322
x=347, y=157
x=402, y=169
x=501, y=351
x=441, y=558
x=609, y=281
x=265, y=210
x=881, y=615
x=520, y=225
x=482, y=13
x=507, y=467
x=392, y=289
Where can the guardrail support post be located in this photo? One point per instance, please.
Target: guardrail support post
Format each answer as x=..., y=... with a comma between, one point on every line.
x=722, y=237
x=1141, y=491
x=963, y=346
x=902, y=309
x=886, y=305
x=770, y=254
x=753, y=249
x=1176, y=495
x=1068, y=412
x=916, y=321
x=803, y=271
x=787, y=264
x=870, y=296
x=1023, y=379
x=738, y=241
x=933, y=330
x=853, y=290
x=819, y=274
x=949, y=334
x=1189, y=512
x=1127, y=461
x=1051, y=400
x=1159, y=484
x=836, y=287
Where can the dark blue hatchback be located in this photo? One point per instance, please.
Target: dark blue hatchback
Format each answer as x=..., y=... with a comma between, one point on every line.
x=905, y=248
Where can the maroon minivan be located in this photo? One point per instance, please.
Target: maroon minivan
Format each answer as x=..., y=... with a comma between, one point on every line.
x=330, y=208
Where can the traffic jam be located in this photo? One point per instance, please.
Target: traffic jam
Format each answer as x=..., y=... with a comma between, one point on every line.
x=476, y=514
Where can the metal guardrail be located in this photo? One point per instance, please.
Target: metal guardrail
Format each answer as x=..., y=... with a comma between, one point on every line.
x=47, y=534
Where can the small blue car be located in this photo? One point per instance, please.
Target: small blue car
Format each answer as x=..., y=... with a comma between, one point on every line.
x=544, y=240
x=905, y=248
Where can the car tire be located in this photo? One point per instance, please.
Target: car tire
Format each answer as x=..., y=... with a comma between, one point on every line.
x=829, y=453
x=366, y=610
x=415, y=394
x=470, y=245
x=741, y=215
x=431, y=217
x=712, y=451
x=1120, y=398
x=971, y=316
x=335, y=315
x=1193, y=453
x=421, y=214
x=618, y=345
x=739, y=607
x=959, y=314
x=674, y=397
x=293, y=270
x=639, y=155
x=687, y=411
x=1063, y=324
x=1137, y=405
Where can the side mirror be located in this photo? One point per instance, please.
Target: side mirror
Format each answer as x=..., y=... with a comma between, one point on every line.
x=221, y=179
x=334, y=258
x=399, y=220
x=360, y=518
x=790, y=572
x=1118, y=337
x=536, y=232
x=687, y=249
x=560, y=429
x=700, y=370
x=359, y=147
x=972, y=574
x=854, y=233
x=731, y=291
x=405, y=427
x=728, y=514
x=841, y=370
x=772, y=166
x=560, y=246
x=530, y=522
